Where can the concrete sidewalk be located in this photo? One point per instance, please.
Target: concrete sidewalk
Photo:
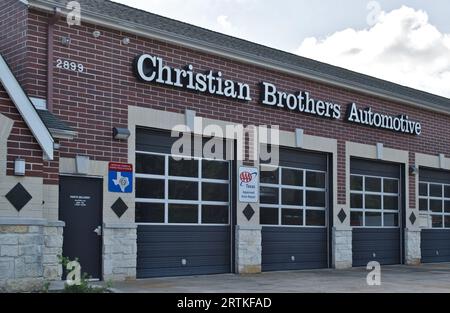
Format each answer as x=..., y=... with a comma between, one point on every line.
x=395, y=279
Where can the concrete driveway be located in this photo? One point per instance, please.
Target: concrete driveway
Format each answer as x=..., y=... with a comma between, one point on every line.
x=410, y=279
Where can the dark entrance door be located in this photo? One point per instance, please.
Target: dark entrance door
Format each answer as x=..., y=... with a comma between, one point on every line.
x=80, y=207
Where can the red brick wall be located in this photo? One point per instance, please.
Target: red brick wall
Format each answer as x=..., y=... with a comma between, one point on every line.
x=21, y=142
x=95, y=101
x=13, y=35
x=13, y=47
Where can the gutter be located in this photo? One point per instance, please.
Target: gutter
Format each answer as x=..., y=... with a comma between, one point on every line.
x=151, y=33
x=50, y=36
x=63, y=134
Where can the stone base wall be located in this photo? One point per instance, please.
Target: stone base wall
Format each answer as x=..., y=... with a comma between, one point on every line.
x=413, y=254
x=26, y=260
x=342, y=248
x=248, y=249
x=53, y=246
x=119, y=252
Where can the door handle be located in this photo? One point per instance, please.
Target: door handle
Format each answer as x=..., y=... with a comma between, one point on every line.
x=98, y=231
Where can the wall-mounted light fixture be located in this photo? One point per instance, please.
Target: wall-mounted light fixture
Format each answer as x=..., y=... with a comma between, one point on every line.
x=19, y=167
x=96, y=33
x=121, y=133
x=413, y=170
x=66, y=41
x=126, y=41
x=82, y=164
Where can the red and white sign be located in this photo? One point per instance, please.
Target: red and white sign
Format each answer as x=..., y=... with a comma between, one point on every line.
x=120, y=167
x=248, y=184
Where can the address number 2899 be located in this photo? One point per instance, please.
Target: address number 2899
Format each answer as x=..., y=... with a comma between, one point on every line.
x=70, y=65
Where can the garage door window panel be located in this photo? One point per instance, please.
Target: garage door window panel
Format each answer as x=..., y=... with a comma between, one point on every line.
x=183, y=214
x=447, y=191
x=423, y=190
x=215, y=214
x=390, y=203
x=269, y=175
x=183, y=190
x=150, y=213
x=269, y=216
x=150, y=188
x=436, y=190
x=293, y=197
x=215, y=170
x=423, y=205
x=315, y=218
x=315, y=199
x=183, y=168
x=356, y=201
x=315, y=179
x=292, y=217
x=292, y=177
x=390, y=219
x=150, y=164
x=447, y=221
x=374, y=202
x=192, y=192
x=215, y=192
x=357, y=219
x=356, y=183
x=436, y=221
x=434, y=204
x=373, y=219
x=372, y=184
x=390, y=186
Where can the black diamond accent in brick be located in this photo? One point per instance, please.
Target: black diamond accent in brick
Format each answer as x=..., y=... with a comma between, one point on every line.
x=18, y=197
x=249, y=212
x=413, y=218
x=119, y=207
x=342, y=216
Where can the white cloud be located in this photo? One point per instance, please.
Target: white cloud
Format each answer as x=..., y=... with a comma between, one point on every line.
x=224, y=24
x=211, y=14
x=402, y=47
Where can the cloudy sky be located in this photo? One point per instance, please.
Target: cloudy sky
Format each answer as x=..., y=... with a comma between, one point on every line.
x=405, y=41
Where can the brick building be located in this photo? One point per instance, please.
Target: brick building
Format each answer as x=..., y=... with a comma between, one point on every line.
x=363, y=172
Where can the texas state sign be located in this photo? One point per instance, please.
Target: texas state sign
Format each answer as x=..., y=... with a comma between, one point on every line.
x=120, y=178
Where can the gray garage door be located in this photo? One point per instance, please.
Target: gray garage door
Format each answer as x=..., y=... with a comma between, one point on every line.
x=182, y=211
x=376, y=206
x=434, y=206
x=294, y=212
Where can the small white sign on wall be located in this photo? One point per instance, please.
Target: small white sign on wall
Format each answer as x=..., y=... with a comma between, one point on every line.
x=248, y=181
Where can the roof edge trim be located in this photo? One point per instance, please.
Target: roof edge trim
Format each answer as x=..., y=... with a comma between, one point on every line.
x=26, y=109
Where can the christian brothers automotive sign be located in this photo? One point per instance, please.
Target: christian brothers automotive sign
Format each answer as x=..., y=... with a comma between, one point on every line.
x=153, y=70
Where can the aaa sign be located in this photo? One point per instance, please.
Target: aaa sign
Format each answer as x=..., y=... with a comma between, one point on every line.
x=248, y=184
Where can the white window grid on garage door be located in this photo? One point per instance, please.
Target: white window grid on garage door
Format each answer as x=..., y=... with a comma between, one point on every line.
x=199, y=180
x=435, y=220
x=382, y=194
x=280, y=186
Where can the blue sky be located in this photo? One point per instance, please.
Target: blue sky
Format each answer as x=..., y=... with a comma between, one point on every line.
x=407, y=41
